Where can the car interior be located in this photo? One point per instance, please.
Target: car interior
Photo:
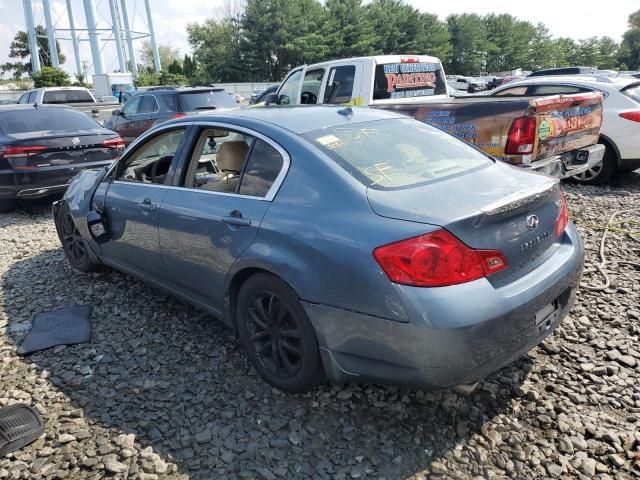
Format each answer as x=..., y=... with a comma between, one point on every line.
x=150, y=164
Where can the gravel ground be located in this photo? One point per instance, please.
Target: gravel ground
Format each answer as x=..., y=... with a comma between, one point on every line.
x=163, y=391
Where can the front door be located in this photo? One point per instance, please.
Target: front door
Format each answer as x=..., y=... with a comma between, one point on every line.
x=132, y=203
x=216, y=212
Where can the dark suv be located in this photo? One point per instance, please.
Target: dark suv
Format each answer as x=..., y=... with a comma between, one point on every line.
x=148, y=108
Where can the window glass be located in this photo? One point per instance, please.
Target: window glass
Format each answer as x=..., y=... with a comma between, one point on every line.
x=131, y=107
x=633, y=91
x=217, y=161
x=150, y=162
x=512, y=92
x=262, y=169
x=67, y=96
x=32, y=97
x=311, y=86
x=23, y=98
x=206, y=100
x=408, y=80
x=339, y=87
x=148, y=104
x=288, y=93
x=398, y=153
x=45, y=120
x=169, y=102
x=555, y=89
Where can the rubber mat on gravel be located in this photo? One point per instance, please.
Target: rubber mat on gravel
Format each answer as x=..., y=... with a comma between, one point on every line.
x=19, y=426
x=66, y=326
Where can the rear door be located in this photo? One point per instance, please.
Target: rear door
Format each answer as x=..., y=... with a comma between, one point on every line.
x=125, y=123
x=134, y=193
x=214, y=214
x=148, y=113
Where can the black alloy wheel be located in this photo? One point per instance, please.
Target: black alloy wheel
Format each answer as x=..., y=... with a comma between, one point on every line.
x=73, y=243
x=277, y=335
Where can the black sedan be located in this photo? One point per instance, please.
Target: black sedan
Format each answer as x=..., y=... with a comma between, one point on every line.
x=43, y=147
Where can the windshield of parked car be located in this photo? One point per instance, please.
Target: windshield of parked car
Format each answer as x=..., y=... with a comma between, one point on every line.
x=200, y=100
x=408, y=80
x=633, y=91
x=397, y=153
x=67, y=96
x=45, y=120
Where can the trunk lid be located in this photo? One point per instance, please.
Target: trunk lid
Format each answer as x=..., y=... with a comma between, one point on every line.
x=490, y=208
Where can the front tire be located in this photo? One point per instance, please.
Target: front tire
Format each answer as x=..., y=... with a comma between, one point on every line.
x=276, y=334
x=601, y=173
x=73, y=244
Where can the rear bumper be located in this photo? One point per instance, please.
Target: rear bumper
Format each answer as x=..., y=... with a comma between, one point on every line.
x=569, y=164
x=456, y=335
x=41, y=182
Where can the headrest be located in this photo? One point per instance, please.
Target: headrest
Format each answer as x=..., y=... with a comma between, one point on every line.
x=231, y=155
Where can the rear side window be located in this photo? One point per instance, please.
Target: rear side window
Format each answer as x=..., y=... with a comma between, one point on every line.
x=398, y=153
x=555, y=89
x=339, y=87
x=408, y=80
x=23, y=98
x=262, y=169
x=32, y=97
x=200, y=100
x=512, y=92
x=148, y=104
x=45, y=120
x=633, y=91
x=169, y=102
x=67, y=96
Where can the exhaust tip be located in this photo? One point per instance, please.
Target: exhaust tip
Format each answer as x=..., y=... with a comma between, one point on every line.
x=466, y=389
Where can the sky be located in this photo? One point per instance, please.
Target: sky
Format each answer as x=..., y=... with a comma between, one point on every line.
x=170, y=17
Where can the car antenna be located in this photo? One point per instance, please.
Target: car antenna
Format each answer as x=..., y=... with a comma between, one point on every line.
x=347, y=112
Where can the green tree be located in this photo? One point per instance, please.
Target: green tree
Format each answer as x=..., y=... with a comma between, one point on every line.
x=175, y=68
x=629, y=51
x=169, y=78
x=434, y=37
x=542, y=51
x=167, y=54
x=146, y=79
x=19, y=49
x=468, y=44
x=347, y=29
x=51, y=77
x=607, y=53
x=188, y=67
x=508, y=44
x=216, y=48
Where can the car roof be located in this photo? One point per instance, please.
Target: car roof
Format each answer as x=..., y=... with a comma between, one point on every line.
x=174, y=90
x=590, y=80
x=46, y=89
x=301, y=119
x=31, y=106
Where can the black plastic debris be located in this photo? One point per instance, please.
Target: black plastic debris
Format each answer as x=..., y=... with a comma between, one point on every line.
x=19, y=426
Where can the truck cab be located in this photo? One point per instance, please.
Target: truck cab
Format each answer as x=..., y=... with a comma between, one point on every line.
x=364, y=81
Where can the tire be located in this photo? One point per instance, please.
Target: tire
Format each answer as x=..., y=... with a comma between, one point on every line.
x=600, y=174
x=6, y=205
x=276, y=334
x=73, y=245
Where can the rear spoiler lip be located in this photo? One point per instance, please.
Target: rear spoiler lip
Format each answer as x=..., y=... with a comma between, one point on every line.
x=520, y=198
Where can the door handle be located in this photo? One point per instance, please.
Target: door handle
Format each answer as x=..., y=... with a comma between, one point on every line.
x=236, y=219
x=147, y=206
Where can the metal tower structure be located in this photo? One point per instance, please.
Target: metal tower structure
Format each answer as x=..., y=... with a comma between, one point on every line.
x=119, y=30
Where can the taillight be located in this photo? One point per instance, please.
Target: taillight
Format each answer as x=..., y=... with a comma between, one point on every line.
x=633, y=116
x=436, y=259
x=563, y=216
x=11, y=151
x=116, y=142
x=522, y=135
x=178, y=115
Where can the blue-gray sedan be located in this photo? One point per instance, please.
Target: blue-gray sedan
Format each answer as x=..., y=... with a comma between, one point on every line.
x=355, y=244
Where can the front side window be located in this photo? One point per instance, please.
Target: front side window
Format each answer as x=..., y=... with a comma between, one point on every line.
x=23, y=98
x=131, y=107
x=339, y=87
x=288, y=93
x=311, y=86
x=227, y=161
x=398, y=153
x=150, y=162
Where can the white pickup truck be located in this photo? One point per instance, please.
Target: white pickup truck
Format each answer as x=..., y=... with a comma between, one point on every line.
x=79, y=98
x=556, y=135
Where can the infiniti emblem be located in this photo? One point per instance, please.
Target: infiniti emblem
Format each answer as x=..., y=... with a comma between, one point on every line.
x=75, y=141
x=532, y=222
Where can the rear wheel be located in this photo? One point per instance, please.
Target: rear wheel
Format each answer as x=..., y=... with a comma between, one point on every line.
x=6, y=205
x=73, y=244
x=600, y=173
x=277, y=335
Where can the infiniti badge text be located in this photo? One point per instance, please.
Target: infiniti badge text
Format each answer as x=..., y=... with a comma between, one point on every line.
x=528, y=245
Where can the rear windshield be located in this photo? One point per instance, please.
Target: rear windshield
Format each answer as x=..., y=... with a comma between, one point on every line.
x=67, y=96
x=45, y=119
x=408, y=80
x=192, y=102
x=398, y=153
x=633, y=91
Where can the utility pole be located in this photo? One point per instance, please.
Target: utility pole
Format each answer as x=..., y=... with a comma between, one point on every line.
x=94, y=36
x=154, y=45
x=31, y=34
x=51, y=34
x=74, y=38
x=127, y=32
x=115, y=26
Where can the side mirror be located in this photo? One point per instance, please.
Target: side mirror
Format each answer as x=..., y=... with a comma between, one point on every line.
x=116, y=112
x=271, y=99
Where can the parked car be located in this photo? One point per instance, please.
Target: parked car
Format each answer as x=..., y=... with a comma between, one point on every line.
x=565, y=71
x=352, y=242
x=43, y=147
x=258, y=96
x=467, y=84
x=415, y=85
x=620, y=131
x=151, y=107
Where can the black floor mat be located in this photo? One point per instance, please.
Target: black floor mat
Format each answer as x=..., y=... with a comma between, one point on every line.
x=19, y=426
x=65, y=326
